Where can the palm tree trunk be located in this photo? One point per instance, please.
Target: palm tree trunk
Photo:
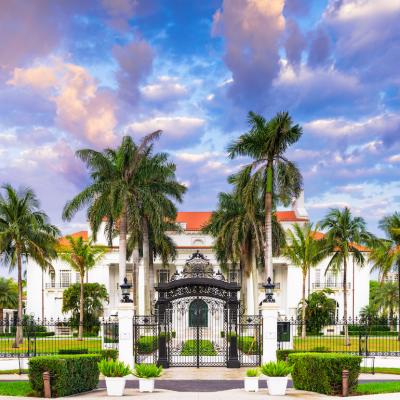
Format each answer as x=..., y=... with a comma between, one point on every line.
x=122, y=243
x=391, y=319
x=2, y=322
x=146, y=260
x=151, y=276
x=19, y=333
x=398, y=310
x=303, y=308
x=268, y=223
x=80, y=329
x=345, y=325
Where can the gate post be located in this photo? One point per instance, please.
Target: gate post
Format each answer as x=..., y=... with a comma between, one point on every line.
x=269, y=312
x=232, y=334
x=125, y=333
x=164, y=333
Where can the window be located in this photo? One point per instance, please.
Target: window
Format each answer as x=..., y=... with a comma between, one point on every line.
x=198, y=313
x=317, y=278
x=65, y=278
x=52, y=279
x=77, y=277
x=163, y=275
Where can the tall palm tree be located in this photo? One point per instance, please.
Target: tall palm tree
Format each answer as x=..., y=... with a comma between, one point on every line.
x=305, y=251
x=344, y=235
x=25, y=232
x=387, y=300
x=109, y=194
x=266, y=144
x=82, y=256
x=239, y=235
x=8, y=297
x=154, y=190
x=385, y=253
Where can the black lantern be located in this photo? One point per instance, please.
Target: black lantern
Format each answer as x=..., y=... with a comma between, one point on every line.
x=125, y=289
x=269, y=292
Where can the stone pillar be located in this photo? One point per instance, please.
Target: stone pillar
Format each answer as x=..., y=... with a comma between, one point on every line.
x=125, y=333
x=269, y=312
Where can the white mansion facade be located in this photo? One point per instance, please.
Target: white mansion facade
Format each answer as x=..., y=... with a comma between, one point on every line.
x=45, y=288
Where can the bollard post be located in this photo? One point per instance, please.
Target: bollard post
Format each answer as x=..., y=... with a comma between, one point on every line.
x=345, y=383
x=46, y=385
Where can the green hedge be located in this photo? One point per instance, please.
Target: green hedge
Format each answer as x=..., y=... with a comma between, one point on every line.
x=73, y=351
x=248, y=345
x=109, y=354
x=69, y=374
x=282, y=355
x=206, y=348
x=322, y=372
x=147, y=344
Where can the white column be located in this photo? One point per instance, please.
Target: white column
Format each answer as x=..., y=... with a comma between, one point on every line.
x=141, y=294
x=269, y=312
x=125, y=332
x=250, y=295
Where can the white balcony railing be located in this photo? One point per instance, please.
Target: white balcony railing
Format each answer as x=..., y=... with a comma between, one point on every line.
x=330, y=285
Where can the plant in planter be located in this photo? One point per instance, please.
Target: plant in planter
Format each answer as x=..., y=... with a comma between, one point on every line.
x=251, y=380
x=277, y=377
x=146, y=374
x=115, y=372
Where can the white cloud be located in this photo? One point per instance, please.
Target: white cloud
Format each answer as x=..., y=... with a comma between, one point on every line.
x=167, y=88
x=340, y=127
x=394, y=159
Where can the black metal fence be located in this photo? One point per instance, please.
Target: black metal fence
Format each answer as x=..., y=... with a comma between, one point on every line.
x=47, y=337
x=367, y=337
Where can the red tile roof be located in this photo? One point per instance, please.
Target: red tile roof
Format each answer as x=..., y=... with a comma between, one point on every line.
x=195, y=220
x=321, y=235
x=64, y=241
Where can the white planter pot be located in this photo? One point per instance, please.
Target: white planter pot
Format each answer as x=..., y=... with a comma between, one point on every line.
x=251, y=383
x=146, y=385
x=115, y=386
x=277, y=385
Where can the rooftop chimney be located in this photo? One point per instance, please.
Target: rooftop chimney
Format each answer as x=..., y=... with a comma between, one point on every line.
x=298, y=206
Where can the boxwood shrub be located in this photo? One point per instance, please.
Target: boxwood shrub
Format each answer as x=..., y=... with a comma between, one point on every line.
x=73, y=351
x=69, y=374
x=283, y=355
x=109, y=354
x=147, y=344
x=322, y=372
x=248, y=345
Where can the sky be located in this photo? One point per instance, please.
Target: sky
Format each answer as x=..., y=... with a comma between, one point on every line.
x=81, y=74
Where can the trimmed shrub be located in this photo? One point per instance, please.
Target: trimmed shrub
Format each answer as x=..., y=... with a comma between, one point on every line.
x=249, y=345
x=109, y=354
x=322, y=372
x=147, y=344
x=73, y=351
x=206, y=348
x=69, y=374
x=283, y=355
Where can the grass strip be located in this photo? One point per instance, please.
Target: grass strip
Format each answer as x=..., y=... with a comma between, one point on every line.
x=381, y=370
x=13, y=371
x=378, y=387
x=21, y=388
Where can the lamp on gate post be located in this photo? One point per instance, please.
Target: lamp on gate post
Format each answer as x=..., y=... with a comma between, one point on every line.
x=125, y=289
x=269, y=291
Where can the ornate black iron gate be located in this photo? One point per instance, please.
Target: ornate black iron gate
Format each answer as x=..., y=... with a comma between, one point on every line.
x=197, y=322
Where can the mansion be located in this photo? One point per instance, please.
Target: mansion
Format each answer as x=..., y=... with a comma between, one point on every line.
x=45, y=288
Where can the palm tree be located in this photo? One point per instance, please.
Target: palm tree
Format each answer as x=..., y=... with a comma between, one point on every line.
x=305, y=252
x=385, y=253
x=239, y=235
x=81, y=256
x=25, y=232
x=344, y=235
x=266, y=143
x=108, y=196
x=387, y=300
x=8, y=297
x=154, y=190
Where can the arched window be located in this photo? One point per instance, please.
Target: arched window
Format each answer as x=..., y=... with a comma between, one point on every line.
x=198, y=313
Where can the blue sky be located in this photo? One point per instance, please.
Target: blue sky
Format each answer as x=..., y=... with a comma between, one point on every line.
x=83, y=73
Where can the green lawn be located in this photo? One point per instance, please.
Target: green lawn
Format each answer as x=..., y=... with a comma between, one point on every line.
x=337, y=343
x=51, y=345
x=381, y=370
x=378, y=387
x=13, y=371
x=15, y=389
